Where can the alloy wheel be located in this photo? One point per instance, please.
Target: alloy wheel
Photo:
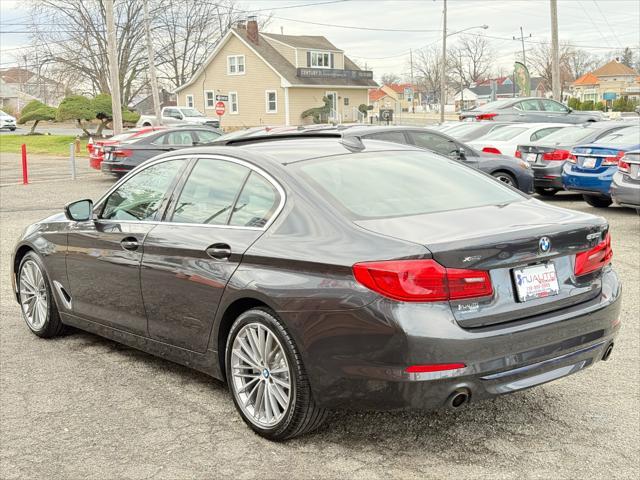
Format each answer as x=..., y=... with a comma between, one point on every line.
x=505, y=179
x=33, y=295
x=261, y=377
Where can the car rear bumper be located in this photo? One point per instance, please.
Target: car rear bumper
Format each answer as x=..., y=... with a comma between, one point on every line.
x=625, y=191
x=548, y=176
x=364, y=365
x=594, y=183
x=115, y=168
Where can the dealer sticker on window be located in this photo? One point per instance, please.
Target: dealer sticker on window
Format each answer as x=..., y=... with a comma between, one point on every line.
x=538, y=281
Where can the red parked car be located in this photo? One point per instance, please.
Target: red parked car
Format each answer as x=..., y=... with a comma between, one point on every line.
x=96, y=149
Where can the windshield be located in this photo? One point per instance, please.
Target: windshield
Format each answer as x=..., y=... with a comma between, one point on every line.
x=622, y=137
x=400, y=183
x=4, y=114
x=191, y=112
x=568, y=135
x=506, y=133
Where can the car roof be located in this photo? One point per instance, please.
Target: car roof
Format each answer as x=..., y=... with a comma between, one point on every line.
x=286, y=149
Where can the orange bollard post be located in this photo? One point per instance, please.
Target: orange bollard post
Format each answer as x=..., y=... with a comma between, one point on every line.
x=25, y=172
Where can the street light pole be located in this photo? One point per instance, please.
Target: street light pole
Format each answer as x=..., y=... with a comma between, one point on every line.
x=443, y=72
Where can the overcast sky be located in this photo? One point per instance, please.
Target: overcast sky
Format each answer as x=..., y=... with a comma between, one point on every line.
x=599, y=26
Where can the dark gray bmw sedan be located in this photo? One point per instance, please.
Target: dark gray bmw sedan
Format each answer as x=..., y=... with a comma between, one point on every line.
x=319, y=273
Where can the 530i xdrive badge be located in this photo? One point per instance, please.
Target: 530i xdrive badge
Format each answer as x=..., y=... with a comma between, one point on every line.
x=311, y=273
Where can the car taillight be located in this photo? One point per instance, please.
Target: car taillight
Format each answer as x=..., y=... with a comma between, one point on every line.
x=422, y=280
x=518, y=154
x=594, y=259
x=609, y=161
x=558, y=155
x=491, y=150
x=486, y=116
x=434, y=367
x=623, y=166
x=122, y=153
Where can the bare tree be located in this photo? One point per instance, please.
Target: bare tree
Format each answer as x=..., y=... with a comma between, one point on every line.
x=470, y=60
x=390, y=77
x=540, y=61
x=580, y=62
x=187, y=32
x=72, y=34
x=427, y=63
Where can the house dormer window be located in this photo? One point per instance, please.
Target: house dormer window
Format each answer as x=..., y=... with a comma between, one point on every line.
x=320, y=59
x=235, y=65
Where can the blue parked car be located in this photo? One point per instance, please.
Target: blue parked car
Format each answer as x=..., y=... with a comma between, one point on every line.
x=592, y=169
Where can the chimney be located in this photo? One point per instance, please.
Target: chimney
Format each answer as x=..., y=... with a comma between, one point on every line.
x=252, y=28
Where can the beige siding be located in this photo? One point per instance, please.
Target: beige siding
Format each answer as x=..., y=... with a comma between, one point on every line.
x=301, y=99
x=250, y=87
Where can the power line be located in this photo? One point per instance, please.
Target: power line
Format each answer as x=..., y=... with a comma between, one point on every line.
x=608, y=24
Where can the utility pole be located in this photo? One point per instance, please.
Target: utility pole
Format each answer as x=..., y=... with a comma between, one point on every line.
x=524, y=56
x=555, y=54
x=114, y=76
x=443, y=73
x=152, y=65
x=413, y=95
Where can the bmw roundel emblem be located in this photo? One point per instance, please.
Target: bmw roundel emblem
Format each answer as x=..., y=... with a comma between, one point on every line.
x=544, y=244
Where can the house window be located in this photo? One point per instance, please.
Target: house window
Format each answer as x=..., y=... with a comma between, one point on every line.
x=235, y=65
x=209, y=99
x=320, y=60
x=346, y=101
x=189, y=100
x=271, y=98
x=233, y=103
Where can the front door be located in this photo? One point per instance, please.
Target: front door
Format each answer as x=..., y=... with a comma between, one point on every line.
x=333, y=114
x=222, y=208
x=103, y=258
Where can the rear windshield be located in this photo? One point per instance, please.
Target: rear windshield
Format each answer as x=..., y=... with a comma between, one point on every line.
x=622, y=137
x=506, y=133
x=401, y=183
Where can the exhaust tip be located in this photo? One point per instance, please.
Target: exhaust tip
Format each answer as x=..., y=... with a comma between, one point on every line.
x=607, y=352
x=459, y=398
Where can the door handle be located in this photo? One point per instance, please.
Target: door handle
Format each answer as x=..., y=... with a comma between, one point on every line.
x=129, y=243
x=219, y=251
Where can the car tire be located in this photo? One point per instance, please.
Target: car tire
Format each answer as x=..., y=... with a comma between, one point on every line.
x=597, y=201
x=146, y=124
x=546, y=192
x=505, y=177
x=250, y=377
x=35, y=296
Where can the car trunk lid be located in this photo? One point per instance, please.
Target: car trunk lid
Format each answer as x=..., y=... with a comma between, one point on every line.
x=504, y=239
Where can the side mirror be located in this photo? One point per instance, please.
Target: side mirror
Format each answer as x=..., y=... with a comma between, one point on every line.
x=458, y=154
x=569, y=110
x=79, y=211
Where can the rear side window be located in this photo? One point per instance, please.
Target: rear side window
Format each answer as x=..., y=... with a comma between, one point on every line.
x=395, y=184
x=395, y=137
x=256, y=204
x=506, y=133
x=543, y=133
x=210, y=192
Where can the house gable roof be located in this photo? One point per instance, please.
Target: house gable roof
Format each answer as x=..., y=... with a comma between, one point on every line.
x=280, y=65
x=614, y=68
x=377, y=94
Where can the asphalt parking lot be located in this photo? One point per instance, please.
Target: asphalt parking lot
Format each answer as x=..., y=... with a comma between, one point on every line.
x=84, y=407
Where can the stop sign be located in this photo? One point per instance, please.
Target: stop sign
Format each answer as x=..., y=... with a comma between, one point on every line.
x=220, y=108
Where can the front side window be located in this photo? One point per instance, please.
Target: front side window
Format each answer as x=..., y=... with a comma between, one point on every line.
x=172, y=113
x=551, y=106
x=256, y=204
x=189, y=100
x=209, y=99
x=432, y=141
x=401, y=183
x=320, y=60
x=233, y=103
x=206, y=136
x=271, y=97
x=235, y=64
x=140, y=197
x=210, y=192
